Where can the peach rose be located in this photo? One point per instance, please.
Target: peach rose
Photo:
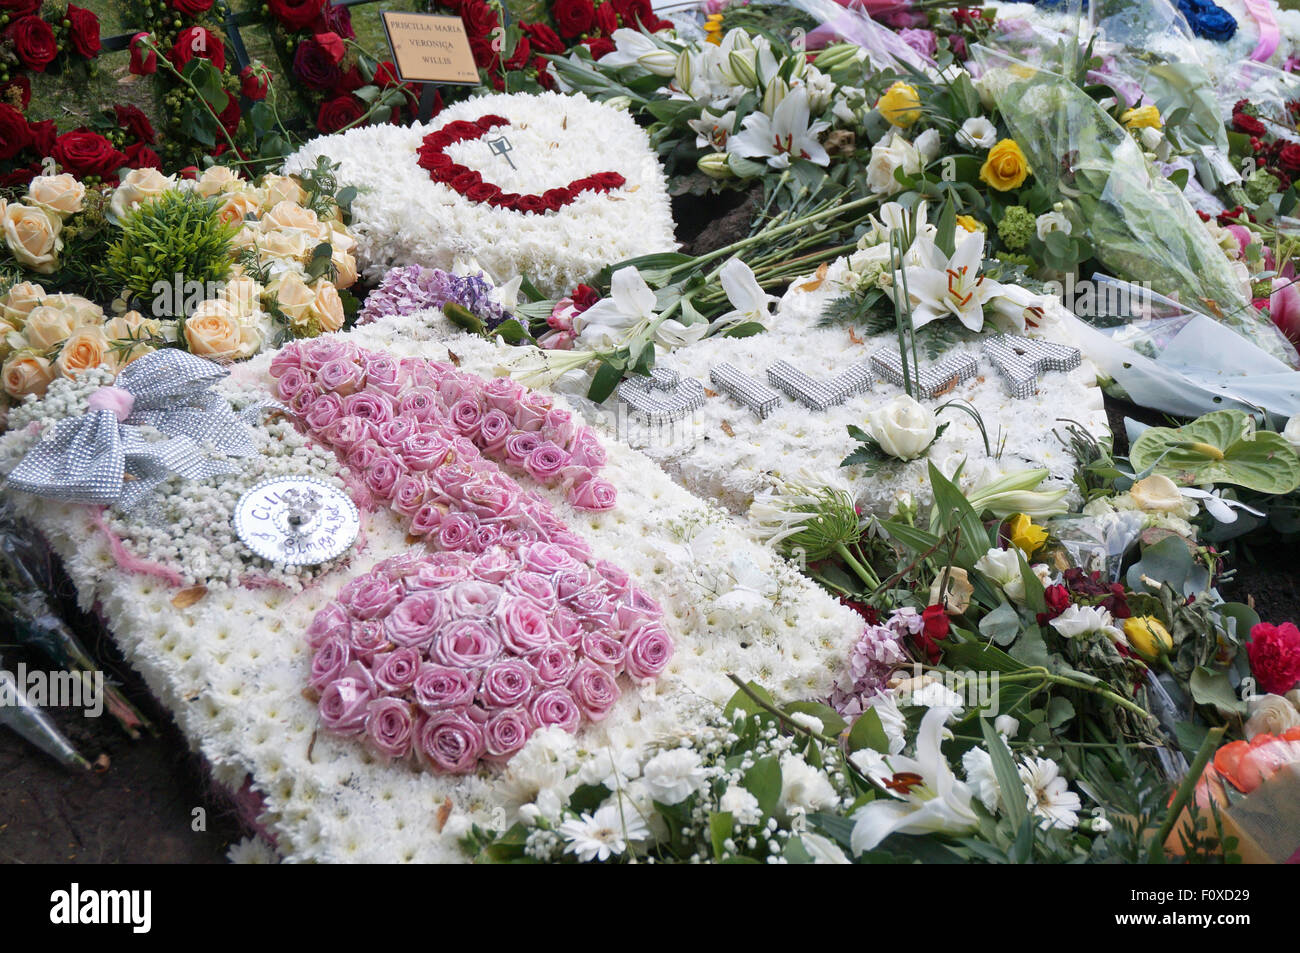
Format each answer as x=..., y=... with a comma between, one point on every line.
x=236, y=207
x=244, y=295
x=328, y=306
x=19, y=301
x=294, y=298
x=82, y=310
x=48, y=327
x=32, y=235
x=131, y=326
x=213, y=331
x=60, y=195
x=345, y=268
x=282, y=188
x=286, y=245
x=27, y=374
x=85, y=349
x=218, y=179
x=290, y=215
x=139, y=185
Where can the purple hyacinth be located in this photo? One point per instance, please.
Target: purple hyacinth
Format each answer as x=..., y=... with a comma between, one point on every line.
x=412, y=288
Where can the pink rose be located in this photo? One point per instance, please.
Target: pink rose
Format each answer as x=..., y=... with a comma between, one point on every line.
x=417, y=618
x=570, y=582
x=604, y=651
x=451, y=477
x=450, y=741
x=345, y=701
x=545, y=462
x=382, y=477
x=293, y=382
x=332, y=621
x=592, y=607
x=546, y=559
x=1284, y=307
x=390, y=727
x=467, y=416
x=323, y=412
x=327, y=664
x=506, y=684
x=487, y=536
x=568, y=628
x=493, y=567
x=506, y=732
x=320, y=351
x=558, y=427
x=369, y=639
x=409, y=494
x=616, y=578
x=455, y=387
x=573, y=544
x=424, y=373
x=554, y=665
x=385, y=374
x=427, y=519
x=531, y=411
x=555, y=707
x=284, y=359
x=519, y=446
x=524, y=626
x=489, y=501
x=424, y=451
x=649, y=650
x=594, y=689
x=364, y=456
x=501, y=393
x=395, y=431
x=440, y=688
x=397, y=670
x=473, y=599
x=370, y=596
x=375, y=406
x=534, y=585
x=465, y=643
x=493, y=430
x=440, y=569
x=594, y=494
x=585, y=450
x=420, y=403
x=348, y=433
x=341, y=377
x=455, y=532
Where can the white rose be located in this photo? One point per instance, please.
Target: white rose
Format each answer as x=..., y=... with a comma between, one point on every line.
x=1084, y=620
x=1002, y=567
x=1050, y=222
x=1272, y=715
x=139, y=185
x=1006, y=725
x=927, y=145
x=822, y=849
x=903, y=428
x=61, y=194
x=978, y=133
x=32, y=235
x=891, y=153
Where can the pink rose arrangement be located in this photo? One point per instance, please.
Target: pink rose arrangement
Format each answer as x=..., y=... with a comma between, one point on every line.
x=453, y=659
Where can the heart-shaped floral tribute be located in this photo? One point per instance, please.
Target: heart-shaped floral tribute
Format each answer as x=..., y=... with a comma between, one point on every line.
x=460, y=655
x=469, y=183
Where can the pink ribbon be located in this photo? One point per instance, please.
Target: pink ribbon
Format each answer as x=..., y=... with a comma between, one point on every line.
x=1269, y=35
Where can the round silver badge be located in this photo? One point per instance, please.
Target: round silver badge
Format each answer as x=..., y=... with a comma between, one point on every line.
x=296, y=520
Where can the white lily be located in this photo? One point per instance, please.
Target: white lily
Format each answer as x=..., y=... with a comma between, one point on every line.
x=535, y=367
x=929, y=798
x=750, y=301
x=1017, y=308
x=1217, y=505
x=786, y=135
x=634, y=48
x=625, y=312
x=713, y=131
x=950, y=286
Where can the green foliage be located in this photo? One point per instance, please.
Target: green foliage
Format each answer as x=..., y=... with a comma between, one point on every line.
x=1221, y=447
x=1016, y=228
x=176, y=234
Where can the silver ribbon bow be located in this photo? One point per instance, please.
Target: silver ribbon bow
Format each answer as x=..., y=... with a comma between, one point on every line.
x=88, y=459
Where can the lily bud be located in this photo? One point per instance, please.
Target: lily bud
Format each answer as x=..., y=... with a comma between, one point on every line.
x=683, y=72
x=740, y=64
x=659, y=62
x=715, y=166
x=776, y=91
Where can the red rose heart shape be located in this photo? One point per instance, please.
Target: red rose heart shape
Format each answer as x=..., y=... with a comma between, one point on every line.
x=469, y=183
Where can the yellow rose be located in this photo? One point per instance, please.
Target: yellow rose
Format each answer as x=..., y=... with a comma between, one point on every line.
x=1148, y=636
x=218, y=179
x=131, y=326
x=1027, y=535
x=294, y=298
x=19, y=301
x=900, y=105
x=282, y=188
x=328, y=306
x=139, y=185
x=48, y=327
x=1144, y=117
x=213, y=331
x=86, y=349
x=1006, y=167
x=236, y=206
x=27, y=374
x=61, y=194
x=32, y=235
x=969, y=223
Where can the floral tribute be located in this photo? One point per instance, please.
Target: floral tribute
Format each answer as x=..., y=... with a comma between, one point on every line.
x=459, y=655
x=470, y=183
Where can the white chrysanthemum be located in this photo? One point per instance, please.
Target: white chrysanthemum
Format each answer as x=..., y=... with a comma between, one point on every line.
x=602, y=835
x=252, y=850
x=673, y=776
x=1049, y=795
x=741, y=805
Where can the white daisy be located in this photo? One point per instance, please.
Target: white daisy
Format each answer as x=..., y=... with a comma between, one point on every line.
x=602, y=835
x=1049, y=795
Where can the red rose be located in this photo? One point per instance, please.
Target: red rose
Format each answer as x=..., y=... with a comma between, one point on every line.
x=296, y=14
x=254, y=81
x=83, y=31
x=543, y=38
x=20, y=177
x=483, y=192
x=609, y=180
x=1275, y=656
x=229, y=117
x=599, y=46
x=544, y=79
x=633, y=12
x=1058, y=600
x=33, y=42
x=584, y=296
x=519, y=58
x=190, y=172
x=532, y=204
x=466, y=181
x=339, y=112
x=200, y=42
x=573, y=17
x=140, y=156
x=386, y=75
x=556, y=199
x=191, y=8
x=334, y=19
x=479, y=19
x=19, y=8
x=485, y=57
x=135, y=122
x=1289, y=158
x=504, y=200
x=1247, y=124
x=332, y=45
x=314, y=65
x=43, y=135
x=349, y=81
x=84, y=153
x=606, y=19
x=14, y=135
x=17, y=92
x=934, y=630
x=144, y=61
